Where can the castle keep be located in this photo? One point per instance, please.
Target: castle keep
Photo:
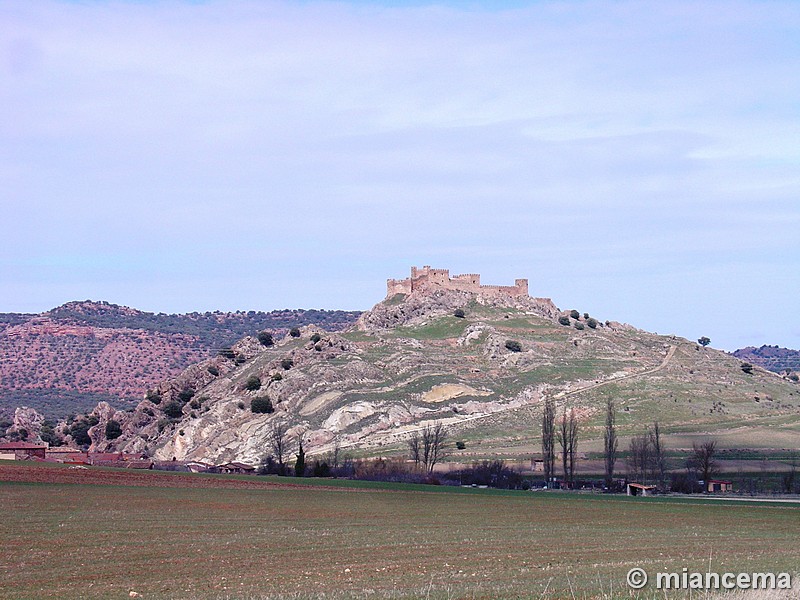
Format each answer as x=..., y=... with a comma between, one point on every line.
x=426, y=278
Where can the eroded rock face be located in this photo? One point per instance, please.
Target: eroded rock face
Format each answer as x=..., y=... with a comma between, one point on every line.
x=408, y=362
x=27, y=424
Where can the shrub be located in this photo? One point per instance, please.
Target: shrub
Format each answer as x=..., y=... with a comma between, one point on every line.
x=564, y=320
x=458, y=313
x=579, y=326
x=253, y=383
x=574, y=314
x=747, y=368
x=315, y=338
x=240, y=359
x=265, y=337
x=113, y=430
x=174, y=410
x=321, y=469
x=213, y=370
x=586, y=316
x=262, y=404
x=704, y=341
x=277, y=377
x=80, y=432
x=294, y=332
x=287, y=363
x=227, y=352
x=592, y=323
x=186, y=394
x=240, y=405
x=153, y=396
x=514, y=345
x=461, y=445
x=194, y=404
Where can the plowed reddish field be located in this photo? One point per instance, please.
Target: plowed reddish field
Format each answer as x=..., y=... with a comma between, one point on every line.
x=73, y=533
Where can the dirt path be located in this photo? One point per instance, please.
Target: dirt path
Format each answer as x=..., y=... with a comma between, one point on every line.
x=664, y=363
x=457, y=421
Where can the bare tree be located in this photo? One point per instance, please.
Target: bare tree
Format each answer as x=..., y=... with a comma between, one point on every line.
x=610, y=442
x=702, y=460
x=658, y=460
x=568, y=438
x=280, y=443
x=415, y=448
x=639, y=457
x=434, y=438
x=549, y=440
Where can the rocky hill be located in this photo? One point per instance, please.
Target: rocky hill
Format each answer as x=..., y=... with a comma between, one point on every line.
x=480, y=364
x=772, y=358
x=70, y=358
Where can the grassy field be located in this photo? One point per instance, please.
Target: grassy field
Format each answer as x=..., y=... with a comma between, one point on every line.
x=67, y=540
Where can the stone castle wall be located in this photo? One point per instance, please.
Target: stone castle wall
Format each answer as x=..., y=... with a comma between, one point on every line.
x=471, y=282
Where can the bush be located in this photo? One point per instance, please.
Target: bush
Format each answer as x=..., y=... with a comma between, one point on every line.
x=294, y=332
x=253, y=383
x=262, y=404
x=80, y=432
x=461, y=445
x=287, y=363
x=586, y=316
x=240, y=405
x=747, y=368
x=315, y=338
x=277, y=377
x=514, y=345
x=213, y=370
x=579, y=326
x=592, y=323
x=321, y=469
x=564, y=320
x=227, y=352
x=153, y=396
x=174, y=410
x=265, y=337
x=113, y=430
x=186, y=394
x=574, y=314
x=458, y=313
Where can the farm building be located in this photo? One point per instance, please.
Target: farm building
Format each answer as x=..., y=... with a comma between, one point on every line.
x=235, y=467
x=22, y=451
x=65, y=454
x=719, y=486
x=639, y=489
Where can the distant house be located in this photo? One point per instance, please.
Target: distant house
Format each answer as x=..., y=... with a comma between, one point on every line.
x=235, y=467
x=22, y=451
x=198, y=466
x=716, y=486
x=69, y=456
x=639, y=489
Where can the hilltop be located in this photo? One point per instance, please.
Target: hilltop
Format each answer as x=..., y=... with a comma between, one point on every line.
x=73, y=356
x=772, y=358
x=479, y=360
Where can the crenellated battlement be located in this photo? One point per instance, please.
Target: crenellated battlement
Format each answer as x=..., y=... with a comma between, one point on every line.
x=425, y=277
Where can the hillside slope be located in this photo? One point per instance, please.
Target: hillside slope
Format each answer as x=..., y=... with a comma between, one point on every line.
x=70, y=358
x=409, y=361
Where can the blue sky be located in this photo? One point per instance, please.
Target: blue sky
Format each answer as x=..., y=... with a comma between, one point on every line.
x=635, y=160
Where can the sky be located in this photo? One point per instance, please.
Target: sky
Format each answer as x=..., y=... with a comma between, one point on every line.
x=639, y=161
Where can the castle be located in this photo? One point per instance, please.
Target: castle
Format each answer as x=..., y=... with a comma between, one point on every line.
x=426, y=278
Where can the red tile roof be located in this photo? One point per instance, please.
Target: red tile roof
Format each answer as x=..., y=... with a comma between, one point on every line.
x=21, y=446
